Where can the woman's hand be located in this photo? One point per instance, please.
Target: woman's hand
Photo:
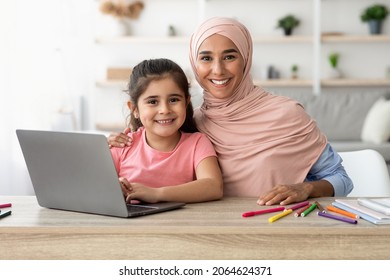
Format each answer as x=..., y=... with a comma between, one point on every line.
x=287, y=194
x=119, y=140
x=136, y=191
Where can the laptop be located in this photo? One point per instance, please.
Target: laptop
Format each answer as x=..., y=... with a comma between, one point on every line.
x=74, y=171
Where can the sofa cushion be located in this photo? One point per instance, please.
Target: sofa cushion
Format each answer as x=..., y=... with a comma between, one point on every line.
x=340, y=115
x=376, y=127
x=345, y=146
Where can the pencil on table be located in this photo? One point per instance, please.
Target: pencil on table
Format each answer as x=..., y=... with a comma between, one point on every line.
x=342, y=212
x=308, y=210
x=298, y=213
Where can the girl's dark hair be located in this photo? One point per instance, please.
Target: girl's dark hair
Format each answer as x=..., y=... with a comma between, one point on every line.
x=153, y=70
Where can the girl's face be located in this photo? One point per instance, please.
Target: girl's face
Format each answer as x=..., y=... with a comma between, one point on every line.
x=220, y=66
x=161, y=109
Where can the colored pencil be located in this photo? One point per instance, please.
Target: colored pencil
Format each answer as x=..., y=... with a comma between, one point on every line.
x=343, y=219
x=264, y=211
x=342, y=212
x=308, y=210
x=319, y=206
x=280, y=215
x=298, y=213
x=299, y=205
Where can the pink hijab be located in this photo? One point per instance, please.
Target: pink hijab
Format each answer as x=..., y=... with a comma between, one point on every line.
x=261, y=139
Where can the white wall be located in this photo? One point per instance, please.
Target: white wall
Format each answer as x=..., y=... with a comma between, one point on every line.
x=49, y=61
x=44, y=67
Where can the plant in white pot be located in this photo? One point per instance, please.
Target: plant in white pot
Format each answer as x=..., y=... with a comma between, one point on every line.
x=333, y=61
x=375, y=15
x=288, y=23
x=123, y=11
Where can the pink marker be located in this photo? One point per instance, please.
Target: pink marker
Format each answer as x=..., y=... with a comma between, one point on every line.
x=264, y=211
x=5, y=205
x=299, y=205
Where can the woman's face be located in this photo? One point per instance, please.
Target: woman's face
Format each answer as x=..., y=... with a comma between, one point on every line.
x=220, y=66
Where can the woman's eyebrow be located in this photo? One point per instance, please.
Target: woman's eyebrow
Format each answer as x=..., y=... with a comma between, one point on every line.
x=224, y=52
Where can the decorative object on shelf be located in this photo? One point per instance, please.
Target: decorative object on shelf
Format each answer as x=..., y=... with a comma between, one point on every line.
x=294, y=71
x=123, y=11
x=171, y=31
x=375, y=15
x=118, y=73
x=273, y=73
x=288, y=23
x=333, y=61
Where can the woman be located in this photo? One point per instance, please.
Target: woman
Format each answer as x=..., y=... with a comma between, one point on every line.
x=267, y=146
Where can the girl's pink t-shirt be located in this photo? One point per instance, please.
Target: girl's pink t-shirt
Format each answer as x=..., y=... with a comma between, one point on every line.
x=140, y=163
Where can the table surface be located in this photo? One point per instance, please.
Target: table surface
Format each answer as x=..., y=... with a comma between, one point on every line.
x=209, y=230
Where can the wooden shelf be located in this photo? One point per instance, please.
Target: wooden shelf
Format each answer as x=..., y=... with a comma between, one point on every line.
x=111, y=83
x=283, y=39
x=139, y=39
x=355, y=38
x=110, y=127
x=355, y=82
x=284, y=83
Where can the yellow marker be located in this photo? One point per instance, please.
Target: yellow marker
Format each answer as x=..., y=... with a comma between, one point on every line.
x=278, y=216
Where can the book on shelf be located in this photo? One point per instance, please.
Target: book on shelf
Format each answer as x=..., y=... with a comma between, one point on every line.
x=368, y=214
x=381, y=205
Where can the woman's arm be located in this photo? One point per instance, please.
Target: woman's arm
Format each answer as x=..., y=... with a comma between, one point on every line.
x=208, y=186
x=327, y=177
x=119, y=140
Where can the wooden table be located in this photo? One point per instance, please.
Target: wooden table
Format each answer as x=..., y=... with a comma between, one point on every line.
x=211, y=230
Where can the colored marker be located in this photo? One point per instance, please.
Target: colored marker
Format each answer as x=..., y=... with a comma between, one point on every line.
x=264, y=211
x=5, y=205
x=278, y=216
x=319, y=206
x=342, y=212
x=298, y=213
x=308, y=210
x=5, y=214
x=299, y=205
x=343, y=219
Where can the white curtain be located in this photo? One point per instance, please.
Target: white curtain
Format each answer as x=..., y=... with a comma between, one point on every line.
x=45, y=48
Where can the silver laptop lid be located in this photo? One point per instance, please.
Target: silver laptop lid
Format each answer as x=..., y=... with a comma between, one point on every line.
x=72, y=171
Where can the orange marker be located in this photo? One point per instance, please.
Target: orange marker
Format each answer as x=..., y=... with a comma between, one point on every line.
x=342, y=212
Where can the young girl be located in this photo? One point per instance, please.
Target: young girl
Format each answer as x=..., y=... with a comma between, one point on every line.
x=168, y=160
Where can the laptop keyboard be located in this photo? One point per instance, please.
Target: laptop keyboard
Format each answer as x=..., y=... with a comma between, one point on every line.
x=131, y=208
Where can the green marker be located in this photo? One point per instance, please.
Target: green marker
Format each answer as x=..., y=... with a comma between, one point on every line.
x=308, y=210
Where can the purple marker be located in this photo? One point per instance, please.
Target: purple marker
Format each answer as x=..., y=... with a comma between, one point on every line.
x=343, y=219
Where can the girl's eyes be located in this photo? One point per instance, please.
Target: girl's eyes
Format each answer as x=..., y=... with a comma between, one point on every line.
x=174, y=99
x=152, y=101
x=155, y=101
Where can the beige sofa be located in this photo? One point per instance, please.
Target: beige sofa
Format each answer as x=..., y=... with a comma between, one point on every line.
x=342, y=116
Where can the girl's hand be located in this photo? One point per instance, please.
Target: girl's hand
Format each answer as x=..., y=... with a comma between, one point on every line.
x=136, y=191
x=119, y=140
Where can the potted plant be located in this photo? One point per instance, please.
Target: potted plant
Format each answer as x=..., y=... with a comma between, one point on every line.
x=333, y=61
x=288, y=23
x=375, y=15
x=294, y=71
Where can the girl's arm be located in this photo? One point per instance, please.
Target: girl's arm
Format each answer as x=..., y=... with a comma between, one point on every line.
x=208, y=186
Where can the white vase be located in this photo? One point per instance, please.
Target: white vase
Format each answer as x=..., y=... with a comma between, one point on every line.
x=334, y=73
x=124, y=27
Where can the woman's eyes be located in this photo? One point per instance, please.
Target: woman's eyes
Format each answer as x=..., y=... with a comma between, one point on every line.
x=209, y=58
